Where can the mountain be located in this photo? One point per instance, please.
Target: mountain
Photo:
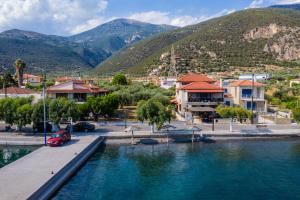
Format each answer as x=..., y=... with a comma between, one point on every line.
x=114, y=35
x=82, y=51
x=39, y=50
x=288, y=6
x=248, y=38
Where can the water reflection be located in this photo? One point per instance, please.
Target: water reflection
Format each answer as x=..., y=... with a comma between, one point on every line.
x=234, y=152
x=9, y=154
x=151, y=160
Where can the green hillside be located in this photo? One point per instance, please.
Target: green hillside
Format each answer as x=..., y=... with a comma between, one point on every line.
x=215, y=45
x=79, y=52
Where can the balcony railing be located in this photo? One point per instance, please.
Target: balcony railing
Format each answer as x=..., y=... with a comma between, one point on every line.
x=249, y=96
x=205, y=100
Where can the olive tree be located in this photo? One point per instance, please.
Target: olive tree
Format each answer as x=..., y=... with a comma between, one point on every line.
x=154, y=112
x=23, y=115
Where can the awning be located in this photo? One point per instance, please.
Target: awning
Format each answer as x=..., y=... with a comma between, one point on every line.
x=205, y=91
x=174, y=101
x=201, y=109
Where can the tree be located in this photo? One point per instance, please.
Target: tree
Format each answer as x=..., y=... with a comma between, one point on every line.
x=38, y=112
x=62, y=108
x=9, y=107
x=119, y=79
x=23, y=115
x=83, y=110
x=234, y=112
x=154, y=112
x=8, y=80
x=70, y=110
x=20, y=65
x=296, y=114
x=103, y=105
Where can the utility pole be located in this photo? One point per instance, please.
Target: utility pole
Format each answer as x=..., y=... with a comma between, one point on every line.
x=252, y=100
x=44, y=104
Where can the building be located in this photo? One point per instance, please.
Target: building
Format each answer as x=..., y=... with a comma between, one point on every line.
x=241, y=94
x=168, y=82
x=14, y=92
x=257, y=77
x=74, y=90
x=197, y=97
x=294, y=82
x=31, y=79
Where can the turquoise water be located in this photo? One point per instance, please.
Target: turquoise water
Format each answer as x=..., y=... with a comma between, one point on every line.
x=9, y=154
x=224, y=170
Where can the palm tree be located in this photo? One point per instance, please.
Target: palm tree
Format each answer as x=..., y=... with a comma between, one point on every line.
x=20, y=65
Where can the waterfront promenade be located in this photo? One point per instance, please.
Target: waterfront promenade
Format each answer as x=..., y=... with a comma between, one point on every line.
x=46, y=167
x=42, y=172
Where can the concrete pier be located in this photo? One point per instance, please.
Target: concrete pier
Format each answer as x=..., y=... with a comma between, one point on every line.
x=39, y=174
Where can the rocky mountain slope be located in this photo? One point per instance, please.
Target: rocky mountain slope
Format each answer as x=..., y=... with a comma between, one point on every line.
x=82, y=51
x=248, y=38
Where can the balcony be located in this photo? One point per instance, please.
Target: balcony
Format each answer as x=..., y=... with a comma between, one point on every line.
x=205, y=101
x=249, y=96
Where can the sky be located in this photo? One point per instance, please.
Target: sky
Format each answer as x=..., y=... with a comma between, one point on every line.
x=69, y=17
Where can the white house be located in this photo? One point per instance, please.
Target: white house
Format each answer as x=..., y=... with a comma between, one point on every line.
x=241, y=94
x=76, y=91
x=14, y=92
x=167, y=82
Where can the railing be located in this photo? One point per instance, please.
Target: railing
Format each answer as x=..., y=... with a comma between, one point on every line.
x=205, y=100
x=249, y=96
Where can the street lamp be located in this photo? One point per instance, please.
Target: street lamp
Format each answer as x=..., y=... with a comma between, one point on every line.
x=44, y=103
x=252, y=100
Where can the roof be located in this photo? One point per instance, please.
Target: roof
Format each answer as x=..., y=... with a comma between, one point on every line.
x=246, y=83
x=202, y=87
x=16, y=90
x=25, y=76
x=195, y=78
x=68, y=78
x=74, y=87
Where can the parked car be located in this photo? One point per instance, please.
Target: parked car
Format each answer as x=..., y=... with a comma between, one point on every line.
x=40, y=127
x=59, y=138
x=81, y=126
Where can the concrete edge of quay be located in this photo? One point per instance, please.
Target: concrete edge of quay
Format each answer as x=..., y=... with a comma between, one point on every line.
x=47, y=190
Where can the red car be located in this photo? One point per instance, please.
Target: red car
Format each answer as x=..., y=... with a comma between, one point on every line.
x=59, y=138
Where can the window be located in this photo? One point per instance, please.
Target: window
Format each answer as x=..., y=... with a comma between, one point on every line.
x=249, y=105
x=227, y=103
x=246, y=93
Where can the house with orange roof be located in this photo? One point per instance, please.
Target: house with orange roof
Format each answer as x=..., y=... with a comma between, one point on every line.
x=31, y=79
x=197, y=96
x=14, y=92
x=74, y=90
x=193, y=77
x=241, y=93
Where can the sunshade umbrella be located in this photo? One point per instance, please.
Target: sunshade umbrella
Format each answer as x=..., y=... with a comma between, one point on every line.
x=167, y=127
x=131, y=129
x=194, y=128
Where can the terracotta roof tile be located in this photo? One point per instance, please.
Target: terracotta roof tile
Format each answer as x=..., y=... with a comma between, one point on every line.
x=74, y=87
x=201, y=87
x=246, y=83
x=195, y=78
x=16, y=90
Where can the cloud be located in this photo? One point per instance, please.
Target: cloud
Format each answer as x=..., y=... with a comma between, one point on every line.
x=159, y=17
x=54, y=16
x=263, y=3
